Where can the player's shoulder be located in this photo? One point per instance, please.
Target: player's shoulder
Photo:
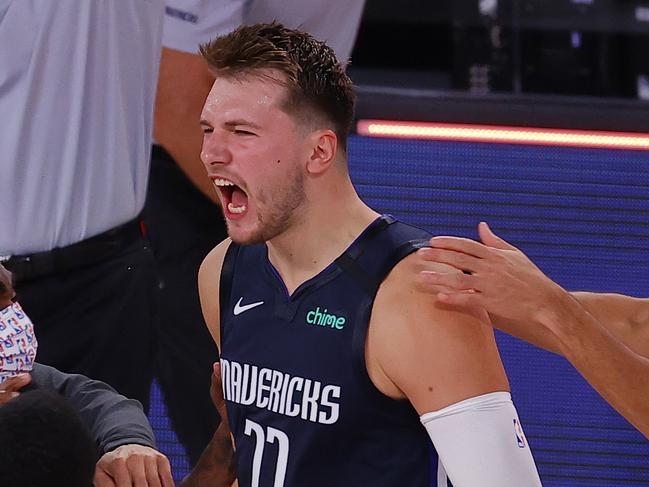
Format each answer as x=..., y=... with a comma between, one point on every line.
x=403, y=278
x=402, y=297
x=208, y=287
x=213, y=261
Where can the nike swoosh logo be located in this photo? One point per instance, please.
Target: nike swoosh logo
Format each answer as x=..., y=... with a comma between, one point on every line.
x=238, y=308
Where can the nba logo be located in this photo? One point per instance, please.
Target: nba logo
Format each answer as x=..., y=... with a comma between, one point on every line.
x=520, y=436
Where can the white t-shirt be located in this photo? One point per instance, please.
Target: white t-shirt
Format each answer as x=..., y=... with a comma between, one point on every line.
x=189, y=23
x=77, y=90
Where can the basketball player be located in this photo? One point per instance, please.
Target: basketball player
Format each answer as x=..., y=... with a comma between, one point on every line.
x=588, y=329
x=181, y=213
x=336, y=370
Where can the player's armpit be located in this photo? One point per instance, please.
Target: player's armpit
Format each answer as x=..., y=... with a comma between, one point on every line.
x=431, y=353
x=209, y=277
x=480, y=441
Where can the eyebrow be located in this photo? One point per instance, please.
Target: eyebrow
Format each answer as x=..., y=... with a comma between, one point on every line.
x=232, y=123
x=235, y=123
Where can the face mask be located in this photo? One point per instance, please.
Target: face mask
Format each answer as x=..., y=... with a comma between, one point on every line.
x=17, y=342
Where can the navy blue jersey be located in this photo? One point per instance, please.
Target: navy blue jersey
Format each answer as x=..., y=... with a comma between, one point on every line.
x=302, y=408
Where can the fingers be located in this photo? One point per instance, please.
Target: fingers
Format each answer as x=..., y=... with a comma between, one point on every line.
x=457, y=259
x=456, y=289
x=151, y=472
x=217, y=372
x=164, y=471
x=133, y=466
x=5, y=396
x=217, y=386
x=461, y=299
x=102, y=479
x=490, y=239
x=447, y=283
x=459, y=244
x=216, y=391
x=11, y=387
x=137, y=472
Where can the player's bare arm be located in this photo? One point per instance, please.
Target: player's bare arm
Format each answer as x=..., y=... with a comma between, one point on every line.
x=215, y=467
x=424, y=359
x=445, y=361
x=208, y=288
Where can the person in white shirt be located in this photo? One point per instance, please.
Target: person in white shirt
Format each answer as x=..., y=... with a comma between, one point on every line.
x=77, y=90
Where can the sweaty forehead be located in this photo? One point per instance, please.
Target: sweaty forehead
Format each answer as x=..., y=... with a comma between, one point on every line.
x=247, y=93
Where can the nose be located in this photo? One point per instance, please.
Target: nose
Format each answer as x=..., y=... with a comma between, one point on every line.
x=215, y=151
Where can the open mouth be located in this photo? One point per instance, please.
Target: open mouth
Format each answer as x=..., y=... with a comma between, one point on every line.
x=235, y=199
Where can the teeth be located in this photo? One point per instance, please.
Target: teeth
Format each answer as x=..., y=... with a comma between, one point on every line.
x=223, y=182
x=237, y=209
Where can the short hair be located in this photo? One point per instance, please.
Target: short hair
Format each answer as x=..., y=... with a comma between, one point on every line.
x=316, y=82
x=43, y=443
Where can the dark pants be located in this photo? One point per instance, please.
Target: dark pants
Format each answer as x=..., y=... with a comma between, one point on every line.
x=99, y=319
x=183, y=226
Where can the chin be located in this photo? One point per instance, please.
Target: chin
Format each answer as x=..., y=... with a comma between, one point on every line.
x=244, y=237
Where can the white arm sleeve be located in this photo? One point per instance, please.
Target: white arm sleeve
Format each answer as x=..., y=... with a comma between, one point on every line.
x=481, y=443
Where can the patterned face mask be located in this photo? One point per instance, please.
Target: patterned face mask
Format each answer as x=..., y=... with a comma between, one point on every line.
x=17, y=342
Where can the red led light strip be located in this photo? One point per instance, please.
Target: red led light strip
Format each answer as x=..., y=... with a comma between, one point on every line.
x=503, y=134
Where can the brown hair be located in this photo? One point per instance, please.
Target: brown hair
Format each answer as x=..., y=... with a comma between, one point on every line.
x=317, y=86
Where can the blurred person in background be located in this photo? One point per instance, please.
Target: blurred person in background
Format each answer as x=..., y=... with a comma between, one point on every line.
x=77, y=90
x=182, y=213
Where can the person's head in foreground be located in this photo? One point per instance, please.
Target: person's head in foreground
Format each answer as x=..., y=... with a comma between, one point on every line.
x=275, y=124
x=43, y=443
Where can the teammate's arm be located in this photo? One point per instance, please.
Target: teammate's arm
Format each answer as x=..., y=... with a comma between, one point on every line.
x=627, y=318
x=183, y=85
x=445, y=361
x=515, y=292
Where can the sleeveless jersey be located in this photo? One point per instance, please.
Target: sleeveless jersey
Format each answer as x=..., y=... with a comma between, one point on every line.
x=302, y=408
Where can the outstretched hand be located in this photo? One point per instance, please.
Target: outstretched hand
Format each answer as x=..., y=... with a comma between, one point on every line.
x=495, y=275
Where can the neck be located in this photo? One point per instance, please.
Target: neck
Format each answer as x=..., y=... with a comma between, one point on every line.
x=323, y=231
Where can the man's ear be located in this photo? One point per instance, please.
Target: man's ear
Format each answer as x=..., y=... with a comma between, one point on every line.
x=323, y=145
